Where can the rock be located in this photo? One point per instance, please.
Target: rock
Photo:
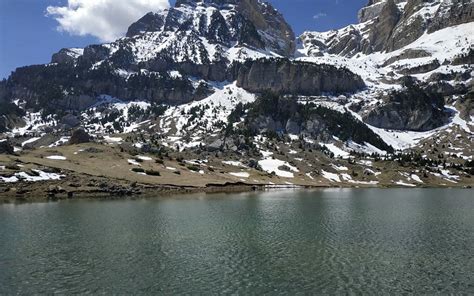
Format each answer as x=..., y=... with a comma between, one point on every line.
x=254, y=24
x=53, y=189
x=215, y=146
x=406, y=55
x=70, y=121
x=252, y=163
x=368, y=172
x=6, y=147
x=383, y=26
x=292, y=127
x=151, y=22
x=79, y=136
x=410, y=109
x=370, y=11
x=66, y=56
x=425, y=68
x=451, y=13
x=298, y=78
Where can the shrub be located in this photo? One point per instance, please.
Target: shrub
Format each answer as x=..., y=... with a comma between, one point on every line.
x=193, y=168
x=152, y=173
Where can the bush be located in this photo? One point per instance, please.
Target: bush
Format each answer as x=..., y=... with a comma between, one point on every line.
x=138, y=170
x=152, y=173
x=193, y=168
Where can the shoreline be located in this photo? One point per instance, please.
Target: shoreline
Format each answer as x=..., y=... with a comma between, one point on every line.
x=99, y=171
x=143, y=191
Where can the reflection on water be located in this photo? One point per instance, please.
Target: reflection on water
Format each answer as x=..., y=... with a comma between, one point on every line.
x=328, y=241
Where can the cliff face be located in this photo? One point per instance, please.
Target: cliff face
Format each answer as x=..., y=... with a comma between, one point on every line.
x=389, y=25
x=173, y=56
x=412, y=109
x=284, y=76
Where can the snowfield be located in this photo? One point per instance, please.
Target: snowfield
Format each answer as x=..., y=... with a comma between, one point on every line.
x=271, y=165
x=22, y=176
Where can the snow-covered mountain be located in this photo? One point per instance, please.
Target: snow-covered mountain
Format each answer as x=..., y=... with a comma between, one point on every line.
x=217, y=73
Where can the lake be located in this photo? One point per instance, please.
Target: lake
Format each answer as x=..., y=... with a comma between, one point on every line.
x=373, y=241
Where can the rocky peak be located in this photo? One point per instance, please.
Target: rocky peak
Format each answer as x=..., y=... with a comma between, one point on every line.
x=249, y=23
x=389, y=25
x=384, y=25
x=151, y=22
x=373, y=9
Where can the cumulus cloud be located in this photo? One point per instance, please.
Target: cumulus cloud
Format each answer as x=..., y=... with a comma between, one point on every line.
x=104, y=19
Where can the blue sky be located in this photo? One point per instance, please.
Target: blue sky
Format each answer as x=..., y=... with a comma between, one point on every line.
x=28, y=36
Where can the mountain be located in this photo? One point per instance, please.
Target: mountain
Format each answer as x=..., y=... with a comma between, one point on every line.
x=219, y=79
x=430, y=41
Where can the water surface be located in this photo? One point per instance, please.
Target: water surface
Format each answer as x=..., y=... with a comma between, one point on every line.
x=329, y=241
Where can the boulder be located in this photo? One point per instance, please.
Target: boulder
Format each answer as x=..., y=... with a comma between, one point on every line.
x=6, y=147
x=79, y=136
x=70, y=121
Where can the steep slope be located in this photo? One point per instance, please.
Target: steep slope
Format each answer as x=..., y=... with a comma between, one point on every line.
x=389, y=25
x=170, y=57
x=415, y=56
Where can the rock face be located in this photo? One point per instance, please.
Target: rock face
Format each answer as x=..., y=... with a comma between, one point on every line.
x=388, y=25
x=250, y=22
x=6, y=147
x=173, y=56
x=151, y=22
x=273, y=114
x=411, y=109
x=284, y=76
x=382, y=27
x=10, y=115
x=79, y=136
x=451, y=13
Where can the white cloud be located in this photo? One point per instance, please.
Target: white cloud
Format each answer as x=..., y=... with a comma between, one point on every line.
x=104, y=19
x=319, y=15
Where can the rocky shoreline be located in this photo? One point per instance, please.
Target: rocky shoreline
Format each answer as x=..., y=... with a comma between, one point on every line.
x=101, y=189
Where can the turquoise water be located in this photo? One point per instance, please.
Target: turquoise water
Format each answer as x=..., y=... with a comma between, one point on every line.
x=283, y=242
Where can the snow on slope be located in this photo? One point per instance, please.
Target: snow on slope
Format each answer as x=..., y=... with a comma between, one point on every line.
x=442, y=45
x=213, y=112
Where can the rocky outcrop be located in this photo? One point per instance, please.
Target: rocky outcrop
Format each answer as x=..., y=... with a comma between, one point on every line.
x=451, y=13
x=410, y=109
x=389, y=25
x=67, y=55
x=383, y=25
x=256, y=24
x=79, y=136
x=151, y=22
x=6, y=147
x=289, y=77
x=406, y=55
x=370, y=11
x=373, y=9
x=10, y=116
x=272, y=114
x=424, y=68
x=464, y=59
